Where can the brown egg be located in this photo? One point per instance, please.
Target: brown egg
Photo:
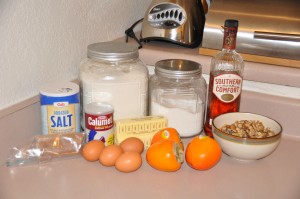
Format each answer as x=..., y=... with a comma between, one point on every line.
x=129, y=161
x=132, y=144
x=110, y=154
x=91, y=151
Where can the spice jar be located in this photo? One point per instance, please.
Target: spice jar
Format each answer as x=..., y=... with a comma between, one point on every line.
x=114, y=74
x=178, y=92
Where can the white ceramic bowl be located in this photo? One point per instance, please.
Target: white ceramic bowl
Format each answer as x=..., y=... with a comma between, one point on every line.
x=246, y=149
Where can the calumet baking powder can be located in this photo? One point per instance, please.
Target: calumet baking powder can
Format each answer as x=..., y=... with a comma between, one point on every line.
x=99, y=122
x=60, y=108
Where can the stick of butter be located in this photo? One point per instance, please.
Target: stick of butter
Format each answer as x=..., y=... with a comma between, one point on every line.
x=143, y=128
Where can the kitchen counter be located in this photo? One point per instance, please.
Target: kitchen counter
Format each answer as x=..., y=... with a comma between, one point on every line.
x=276, y=176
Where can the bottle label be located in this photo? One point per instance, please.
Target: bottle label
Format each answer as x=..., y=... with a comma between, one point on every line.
x=60, y=114
x=227, y=87
x=100, y=127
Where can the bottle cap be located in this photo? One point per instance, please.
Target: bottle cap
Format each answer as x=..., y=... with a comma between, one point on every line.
x=231, y=23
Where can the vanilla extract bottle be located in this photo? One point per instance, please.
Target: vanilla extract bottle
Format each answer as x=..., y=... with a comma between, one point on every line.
x=226, y=77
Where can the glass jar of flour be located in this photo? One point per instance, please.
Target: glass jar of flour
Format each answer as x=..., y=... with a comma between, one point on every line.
x=114, y=74
x=178, y=92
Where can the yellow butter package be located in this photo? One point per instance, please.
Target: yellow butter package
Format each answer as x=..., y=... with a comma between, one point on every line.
x=143, y=128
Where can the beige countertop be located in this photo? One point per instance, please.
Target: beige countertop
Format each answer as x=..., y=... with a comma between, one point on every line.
x=276, y=176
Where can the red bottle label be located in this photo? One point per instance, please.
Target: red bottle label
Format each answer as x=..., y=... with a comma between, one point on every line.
x=99, y=122
x=227, y=87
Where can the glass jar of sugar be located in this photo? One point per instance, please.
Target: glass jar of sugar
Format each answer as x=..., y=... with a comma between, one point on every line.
x=114, y=74
x=178, y=92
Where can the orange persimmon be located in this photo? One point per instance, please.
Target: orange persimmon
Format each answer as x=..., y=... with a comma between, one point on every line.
x=165, y=155
x=167, y=134
x=203, y=153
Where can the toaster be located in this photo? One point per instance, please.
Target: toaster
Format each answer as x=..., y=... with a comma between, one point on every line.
x=177, y=21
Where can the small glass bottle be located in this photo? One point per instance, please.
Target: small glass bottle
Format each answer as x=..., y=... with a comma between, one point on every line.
x=226, y=76
x=114, y=74
x=178, y=92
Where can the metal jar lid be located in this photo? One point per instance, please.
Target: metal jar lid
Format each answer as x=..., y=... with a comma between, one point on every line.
x=178, y=68
x=112, y=51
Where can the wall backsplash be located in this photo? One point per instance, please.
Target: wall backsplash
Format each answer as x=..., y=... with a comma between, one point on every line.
x=43, y=41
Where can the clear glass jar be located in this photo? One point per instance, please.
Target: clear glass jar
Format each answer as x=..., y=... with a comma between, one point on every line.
x=178, y=92
x=114, y=74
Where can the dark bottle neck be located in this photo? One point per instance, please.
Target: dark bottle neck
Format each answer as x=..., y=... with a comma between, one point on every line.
x=229, y=41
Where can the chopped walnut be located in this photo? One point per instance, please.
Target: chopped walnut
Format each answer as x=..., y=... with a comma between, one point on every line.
x=247, y=129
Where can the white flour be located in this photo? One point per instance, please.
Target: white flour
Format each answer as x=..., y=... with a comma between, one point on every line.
x=123, y=86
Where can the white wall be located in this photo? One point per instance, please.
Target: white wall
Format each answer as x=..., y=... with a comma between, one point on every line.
x=45, y=40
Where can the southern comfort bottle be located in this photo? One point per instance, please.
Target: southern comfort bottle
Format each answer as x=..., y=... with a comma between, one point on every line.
x=226, y=76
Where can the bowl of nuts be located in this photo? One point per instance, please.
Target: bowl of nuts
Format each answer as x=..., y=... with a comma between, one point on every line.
x=246, y=136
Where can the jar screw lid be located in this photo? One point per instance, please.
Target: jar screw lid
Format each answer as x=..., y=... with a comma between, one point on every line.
x=178, y=68
x=112, y=51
